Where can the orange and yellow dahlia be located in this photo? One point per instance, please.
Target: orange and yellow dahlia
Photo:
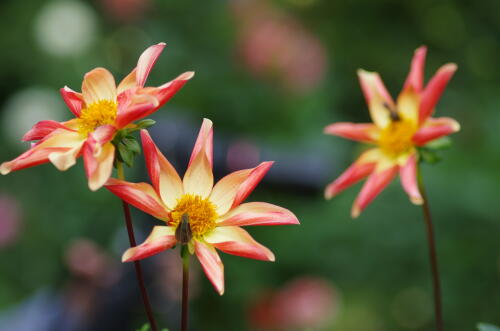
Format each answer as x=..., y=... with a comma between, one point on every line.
x=101, y=110
x=398, y=129
x=196, y=212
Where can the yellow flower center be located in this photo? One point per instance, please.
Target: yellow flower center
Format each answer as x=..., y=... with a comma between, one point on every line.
x=96, y=114
x=201, y=212
x=396, y=138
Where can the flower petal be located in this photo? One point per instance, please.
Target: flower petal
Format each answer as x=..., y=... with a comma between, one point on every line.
x=435, y=128
x=257, y=213
x=415, y=77
x=59, y=141
x=133, y=106
x=73, y=100
x=43, y=128
x=204, y=142
x=234, y=240
x=98, y=161
x=98, y=84
x=378, y=99
x=434, y=89
x=360, y=169
x=409, y=181
x=165, y=179
x=364, y=132
x=146, y=62
x=199, y=179
x=211, y=264
x=160, y=239
x=377, y=181
x=165, y=92
x=129, y=82
x=231, y=190
x=408, y=104
x=140, y=195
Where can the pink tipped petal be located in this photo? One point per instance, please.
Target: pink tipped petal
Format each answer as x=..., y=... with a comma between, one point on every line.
x=435, y=128
x=133, y=106
x=140, y=195
x=373, y=87
x=408, y=174
x=211, y=264
x=166, y=91
x=364, y=132
x=234, y=240
x=360, y=169
x=415, y=78
x=98, y=161
x=43, y=128
x=98, y=85
x=160, y=239
x=199, y=179
x=165, y=179
x=59, y=141
x=127, y=83
x=408, y=105
x=231, y=190
x=204, y=142
x=73, y=100
x=146, y=62
x=257, y=213
x=377, y=181
x=434, y=89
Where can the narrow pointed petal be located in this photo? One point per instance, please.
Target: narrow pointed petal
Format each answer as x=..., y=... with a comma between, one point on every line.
x=435, y=128
x=160, y=239
x=364, y=132
x=415, y=77
x=140, y=195
x=199, y=179
x=43, y=128
x=377, y=181
x=133, y=106
x=211, y=264
x=435, y=89
x=360, y=169
x=98, y=84
x=379, y=101
x=234, y=240
x=257, y=213
x=231, y=190
x=408, y=105
x=59, y=141
x=165, y=179
x=204, y=142
x=73, y=100
x=409, y=180
x=146, y=62
x=165, y=92
x=98, y=161
x=127, y=83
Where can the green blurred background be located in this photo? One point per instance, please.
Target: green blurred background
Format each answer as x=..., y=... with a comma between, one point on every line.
x=271, y=75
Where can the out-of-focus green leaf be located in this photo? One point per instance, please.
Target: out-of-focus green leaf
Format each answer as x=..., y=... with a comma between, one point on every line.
x=429, y=156
x=145, y=327
x=441, y=143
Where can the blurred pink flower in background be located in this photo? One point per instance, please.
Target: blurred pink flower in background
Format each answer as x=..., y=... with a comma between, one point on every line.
x=126, y=10
x=272, y=43
x=10, y=220
x=305, y=302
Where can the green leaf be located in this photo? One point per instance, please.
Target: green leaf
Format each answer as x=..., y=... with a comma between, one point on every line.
x=429, y=156
x=487, y=327
x=441, y=143
x=125, y=155
x=131, y=144
x=144, y=124
x=145, y=327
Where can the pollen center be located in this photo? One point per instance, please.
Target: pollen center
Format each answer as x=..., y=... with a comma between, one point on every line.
x=396, y=139
x=201, y=212
x=96, y=114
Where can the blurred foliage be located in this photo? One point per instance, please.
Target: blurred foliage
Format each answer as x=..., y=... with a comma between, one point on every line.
x=372, y=261
x=487, y=327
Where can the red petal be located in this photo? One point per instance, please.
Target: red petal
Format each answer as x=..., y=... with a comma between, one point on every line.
x=408, y=174
x=211, y=264
x=364, y=132
x=416, y=75
x=73, y=100
x=257, y=213
x=146, y=62
x=435, y=128
x=160, y=239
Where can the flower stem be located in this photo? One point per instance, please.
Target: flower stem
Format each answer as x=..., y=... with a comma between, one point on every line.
x=432, y=256
x=137, y=264
x=185, y=287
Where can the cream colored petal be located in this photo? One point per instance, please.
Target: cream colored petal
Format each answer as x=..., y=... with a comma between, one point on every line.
x=98, y=84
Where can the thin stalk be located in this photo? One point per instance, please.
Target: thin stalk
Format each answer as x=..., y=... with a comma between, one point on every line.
x=185, y=287
x=432, y=256
x=137, y=264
